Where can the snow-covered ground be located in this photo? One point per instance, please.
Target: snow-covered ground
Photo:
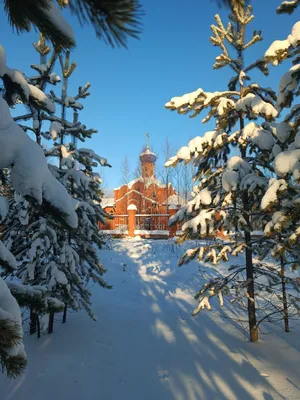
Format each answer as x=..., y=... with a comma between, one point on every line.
x=146, y=345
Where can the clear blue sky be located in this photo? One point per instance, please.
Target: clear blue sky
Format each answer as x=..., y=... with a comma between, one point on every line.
x=130, y=87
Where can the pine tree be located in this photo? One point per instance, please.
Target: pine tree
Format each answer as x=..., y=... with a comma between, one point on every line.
x=228, y=188
x=281, y=198
x=76, y=172
x=25, y=164
x=61, y=260
x=114, y=20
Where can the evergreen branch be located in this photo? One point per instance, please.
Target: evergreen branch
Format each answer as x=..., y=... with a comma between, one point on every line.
x=113, y=20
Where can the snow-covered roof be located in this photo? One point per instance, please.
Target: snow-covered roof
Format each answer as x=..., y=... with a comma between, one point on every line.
x=139, y=193
x=108, y=202
x=147, y=182
x=174, y=200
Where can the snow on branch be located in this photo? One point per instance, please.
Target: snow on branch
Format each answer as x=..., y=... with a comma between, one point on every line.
x=198, y=100
x=17, y=85
x=287, y=87
x=271, y=195
x=255, y=106
x=288, y=7
x=199, y=146
x=280, y=49
x=30, y=174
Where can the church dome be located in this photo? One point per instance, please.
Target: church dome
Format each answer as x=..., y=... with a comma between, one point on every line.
x=148, y=156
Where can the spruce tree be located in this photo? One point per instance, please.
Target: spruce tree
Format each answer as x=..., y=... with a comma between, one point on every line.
x=75, y=170
x=281, y=200
x=232, y=164
x=23, y=161
x=61, y=260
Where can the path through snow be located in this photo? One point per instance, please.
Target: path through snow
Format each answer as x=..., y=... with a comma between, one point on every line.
x=146, y=345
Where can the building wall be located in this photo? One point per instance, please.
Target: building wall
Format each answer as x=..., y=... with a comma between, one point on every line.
x=148, y=199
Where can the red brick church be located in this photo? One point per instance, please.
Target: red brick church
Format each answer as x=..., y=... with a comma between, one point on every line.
x=143, y=206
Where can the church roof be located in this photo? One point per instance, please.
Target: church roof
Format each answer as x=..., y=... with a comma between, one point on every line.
x=148, y=156
x=147, y=182
x=174, y=200
x=107, y=202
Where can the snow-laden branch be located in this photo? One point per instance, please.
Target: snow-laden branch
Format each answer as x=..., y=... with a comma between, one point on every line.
x=30, y=174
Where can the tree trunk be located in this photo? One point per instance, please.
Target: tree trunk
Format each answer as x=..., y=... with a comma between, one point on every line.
x=51, y=322
x=38, y=326
x=253, y=329
x=33, y=322
x=284, y=298
x=64, y=320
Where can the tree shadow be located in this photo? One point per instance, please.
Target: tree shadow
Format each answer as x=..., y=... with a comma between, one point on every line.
x=146, y=345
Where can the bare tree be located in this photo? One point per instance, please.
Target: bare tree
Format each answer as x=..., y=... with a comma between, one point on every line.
x=138, y=170
x=125, y=171
x=164, y=173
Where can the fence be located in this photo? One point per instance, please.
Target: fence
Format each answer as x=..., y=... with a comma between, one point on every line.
x=152, y=222
x=120, y=224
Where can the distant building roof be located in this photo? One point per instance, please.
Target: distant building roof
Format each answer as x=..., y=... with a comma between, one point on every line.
x=174, y=200
x=147, y=182
x=108, y=202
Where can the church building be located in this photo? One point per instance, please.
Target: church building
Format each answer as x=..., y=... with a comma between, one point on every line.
x=151, y=201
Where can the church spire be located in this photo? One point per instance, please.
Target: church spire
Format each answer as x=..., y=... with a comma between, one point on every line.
x=148, y=159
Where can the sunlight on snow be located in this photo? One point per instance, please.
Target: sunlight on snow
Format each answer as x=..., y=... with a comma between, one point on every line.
x=155, y=308
x=162, y=330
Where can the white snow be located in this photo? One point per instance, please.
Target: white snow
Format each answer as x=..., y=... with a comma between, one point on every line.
x=174, y=200
x=149, y=233
x=55, y=129
x=237, y=169
x=261, y=137
x=279, y=48
x=270, y=196
x=4, y=207
x=27, y=89
x=146, y=345
x=288, y=162
x=147, y=182
x=30, y=175
x=257, y=106
x=200, y=145
x=6, y=257
x=107, y=202
x=42, y=98
x=132, y=207
x=288, y=83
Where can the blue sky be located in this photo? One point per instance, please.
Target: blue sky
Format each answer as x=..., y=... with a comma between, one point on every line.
x=130, y=87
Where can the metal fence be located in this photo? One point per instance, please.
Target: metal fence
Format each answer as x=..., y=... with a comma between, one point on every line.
x=152, y=222
x=120, y=224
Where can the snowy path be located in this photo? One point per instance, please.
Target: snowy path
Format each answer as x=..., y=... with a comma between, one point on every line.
x=146, y=345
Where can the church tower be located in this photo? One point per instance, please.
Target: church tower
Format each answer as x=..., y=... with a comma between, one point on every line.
x=148, y=159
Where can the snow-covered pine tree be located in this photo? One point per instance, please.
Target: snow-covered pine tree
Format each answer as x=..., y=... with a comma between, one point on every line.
x=30, y=176
x=283, y=194
x=47, y=252
x=30, y=231
x=75, y=169
x=231, y=162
